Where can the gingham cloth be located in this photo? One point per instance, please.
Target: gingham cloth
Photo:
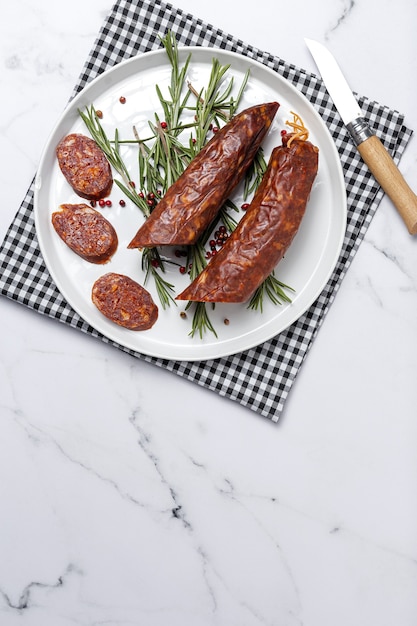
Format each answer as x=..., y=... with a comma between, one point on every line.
x=260, y=378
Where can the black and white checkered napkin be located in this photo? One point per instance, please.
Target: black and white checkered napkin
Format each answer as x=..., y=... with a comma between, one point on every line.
x=260, y=378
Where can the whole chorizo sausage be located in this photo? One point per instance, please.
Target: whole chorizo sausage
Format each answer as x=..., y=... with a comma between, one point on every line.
x=84, y=166
x=192, y=202
x=124, y=301
x=86, y=231
x=265, y=232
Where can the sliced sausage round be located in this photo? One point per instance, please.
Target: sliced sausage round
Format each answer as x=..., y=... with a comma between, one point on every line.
x=86, y=231
x=124, y=301
x=84, y=166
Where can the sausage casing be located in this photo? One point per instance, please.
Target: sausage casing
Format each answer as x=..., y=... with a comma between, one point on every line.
x=124, y=301
x=265, y=232
x=193, y=201
x=86, y=231
x=84, y=166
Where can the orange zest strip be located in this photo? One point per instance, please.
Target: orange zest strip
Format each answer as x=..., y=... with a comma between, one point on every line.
x=300, y=131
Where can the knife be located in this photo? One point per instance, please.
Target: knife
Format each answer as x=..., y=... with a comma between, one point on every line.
x=369, y=146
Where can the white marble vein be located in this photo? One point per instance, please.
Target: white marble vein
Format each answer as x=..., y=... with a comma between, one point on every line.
x=129, y=497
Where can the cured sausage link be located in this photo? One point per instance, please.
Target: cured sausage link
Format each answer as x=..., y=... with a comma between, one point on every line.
x=265, y=232
x=193, y=201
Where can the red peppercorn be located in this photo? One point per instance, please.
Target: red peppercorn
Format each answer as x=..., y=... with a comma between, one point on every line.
x=245, y=206
x=132, y=184
x=99, y=114
x=183, y=269
x=108, y=202
x=122, y=99
x=122, y=203
x=164, y=125
x=283, y=132
x=102, y=203
x=215, y=129
x=155, y=263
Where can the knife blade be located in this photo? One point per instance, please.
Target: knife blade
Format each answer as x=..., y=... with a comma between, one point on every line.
x=369, y=146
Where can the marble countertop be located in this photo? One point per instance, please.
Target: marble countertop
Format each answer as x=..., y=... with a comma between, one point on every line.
x=122, y=505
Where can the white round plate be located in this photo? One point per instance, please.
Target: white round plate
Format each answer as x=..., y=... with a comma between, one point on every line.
x=306, y=267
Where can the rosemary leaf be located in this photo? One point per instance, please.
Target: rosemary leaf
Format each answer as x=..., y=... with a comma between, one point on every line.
x=151, y=262
x=240, y=94
x=274, y=289
x=201, y=321
x=255, y=174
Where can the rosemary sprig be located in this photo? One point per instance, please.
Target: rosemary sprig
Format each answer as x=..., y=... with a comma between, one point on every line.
x=226, y=218
x=151, y=261
x=273, y=289
x=255, y=174
x=201, y=321
x=175, y=107
x=110, y=149
x=162, y=163
x=212, y=105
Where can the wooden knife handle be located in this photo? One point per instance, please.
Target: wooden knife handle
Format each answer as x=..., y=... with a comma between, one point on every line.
x=391, y=180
